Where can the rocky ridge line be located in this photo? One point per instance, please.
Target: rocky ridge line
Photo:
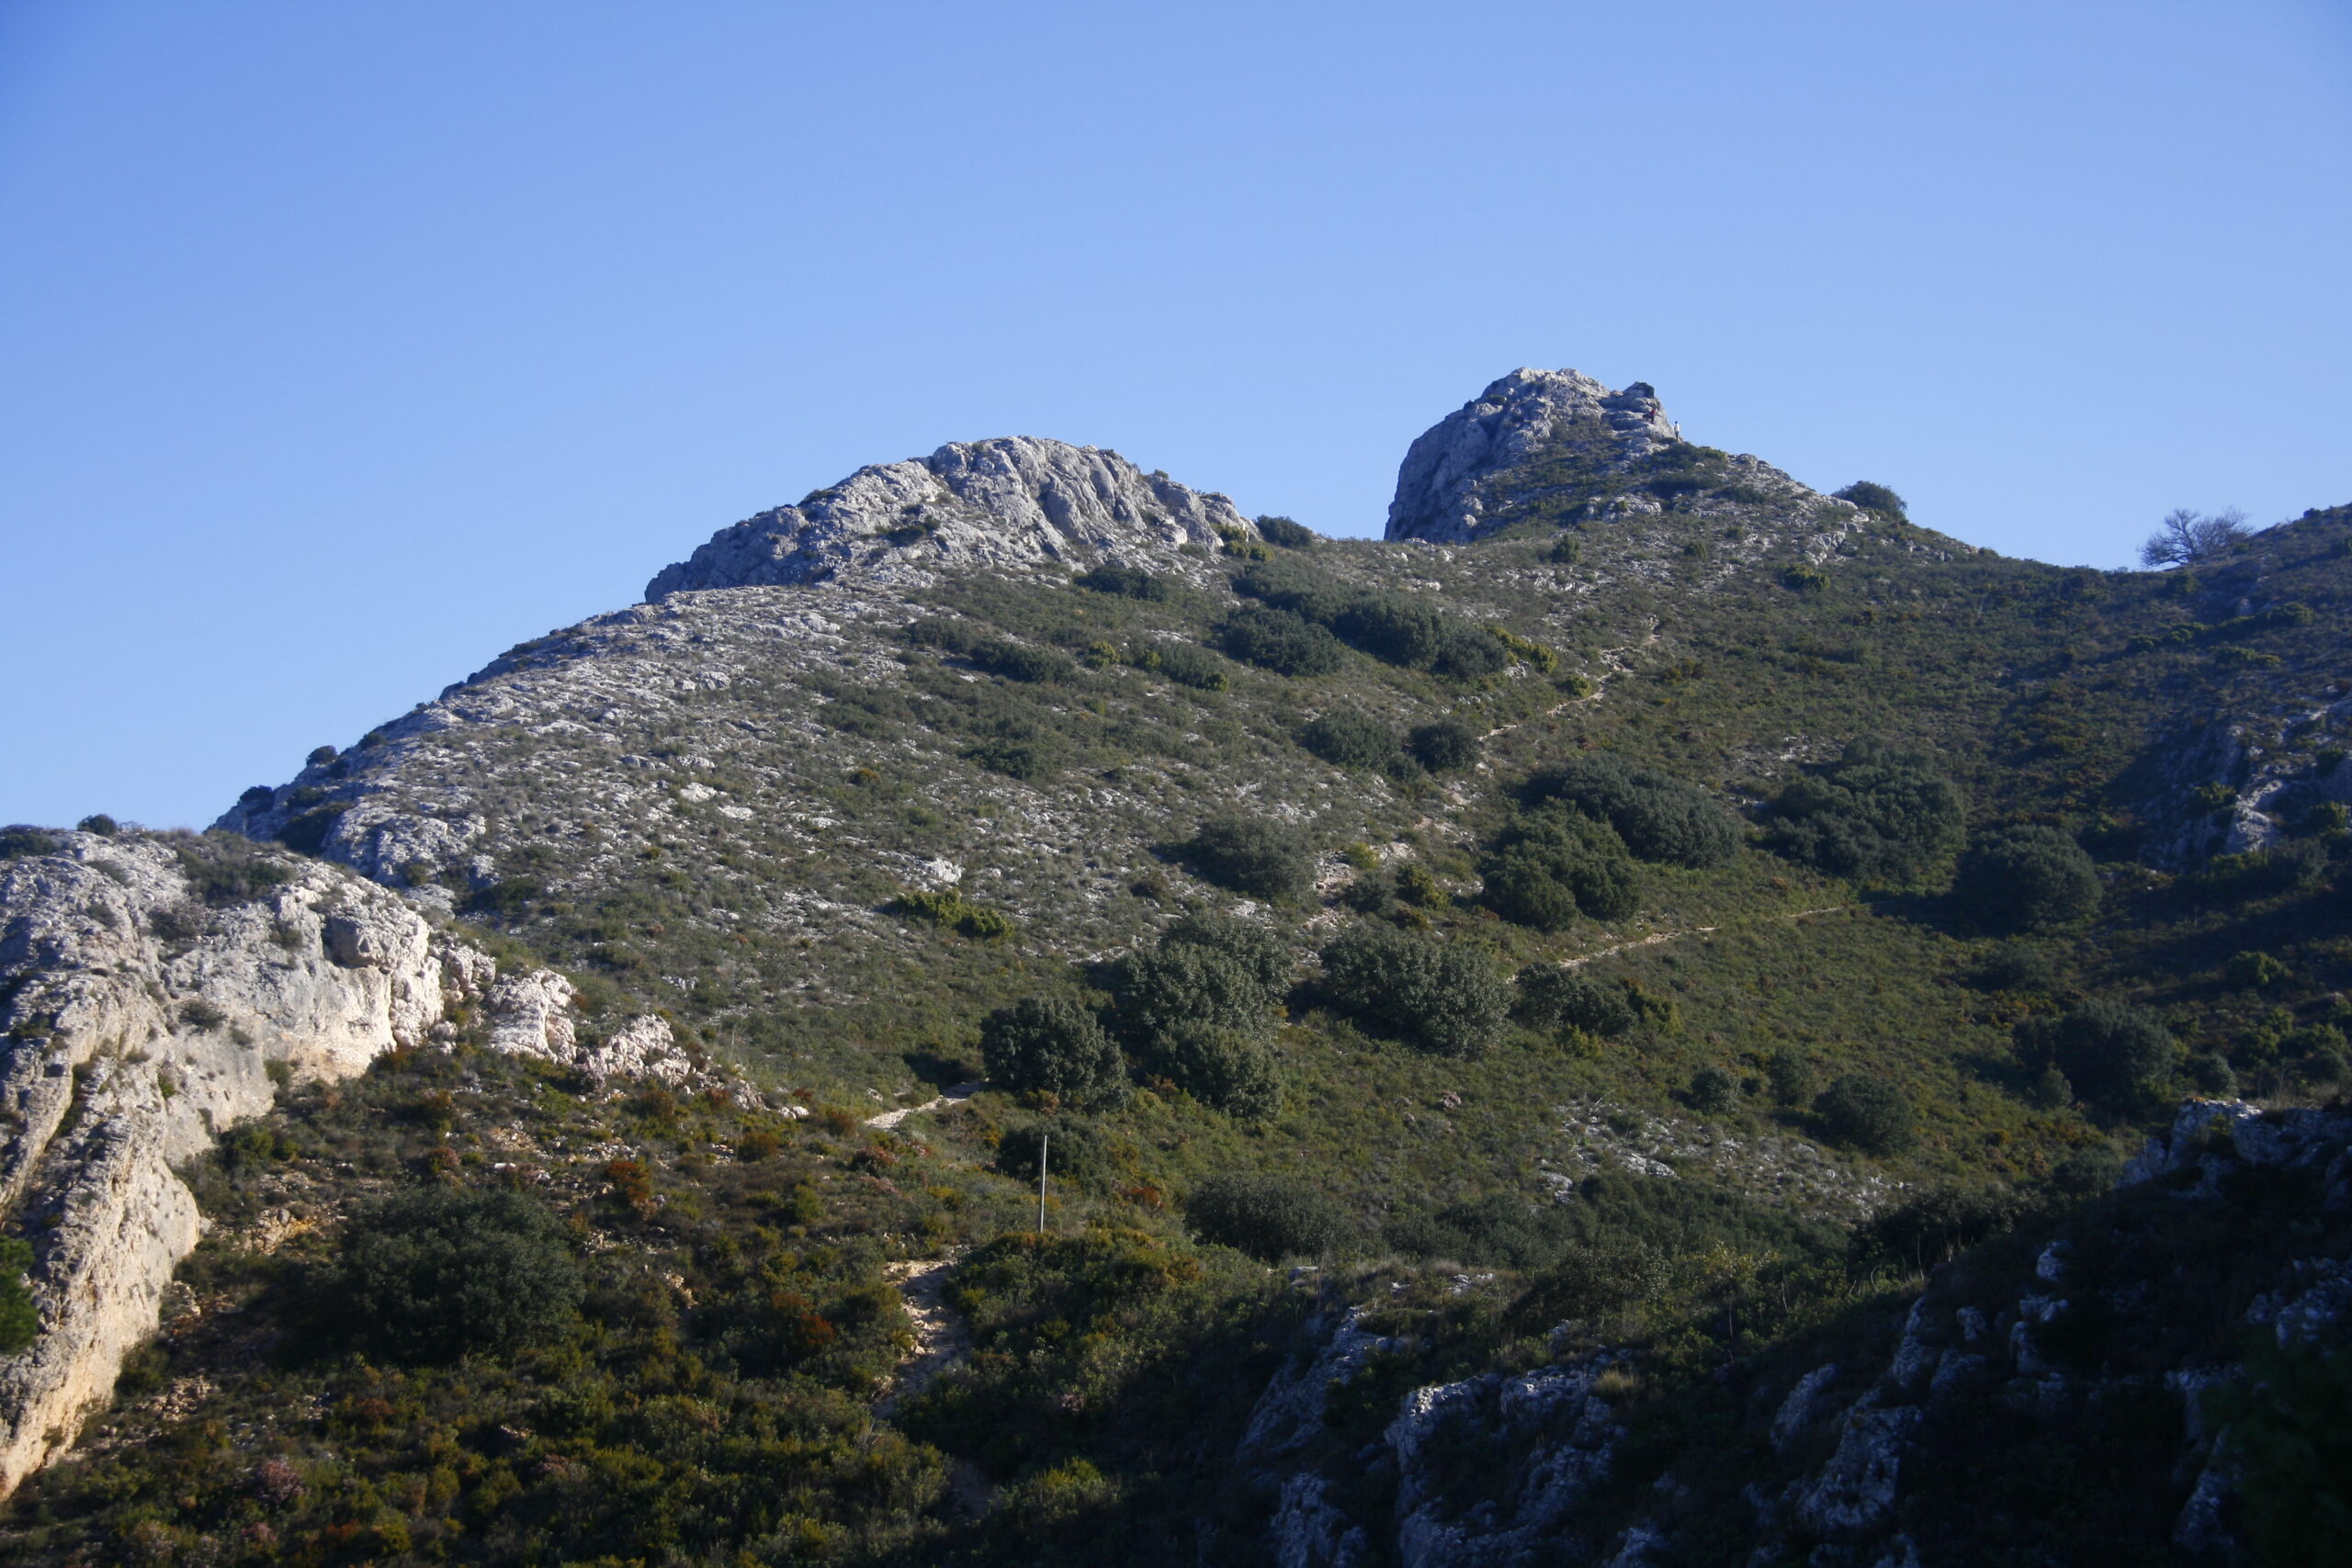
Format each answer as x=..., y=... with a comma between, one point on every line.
x=1011, y=500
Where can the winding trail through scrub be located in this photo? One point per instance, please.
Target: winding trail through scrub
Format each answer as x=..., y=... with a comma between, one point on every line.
x=1654, y=939
x=957, y=1095
x=940, y=1336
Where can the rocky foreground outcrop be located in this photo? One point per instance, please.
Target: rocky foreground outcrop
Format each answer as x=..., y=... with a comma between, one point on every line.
x=1012, y=500
x=156, y=990
x=1874, y=1463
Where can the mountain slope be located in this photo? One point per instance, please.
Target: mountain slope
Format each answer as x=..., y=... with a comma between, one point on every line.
x=946, y=736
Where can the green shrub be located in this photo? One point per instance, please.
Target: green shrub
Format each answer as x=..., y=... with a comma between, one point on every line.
x=1610, y=1273
x=1265, y=955
x=1030, y=758
x=2282, y=868
x=1659, y=818
x=2027, y=878
x=1499, y=1228
x=2018, y=966
x=1253, y=855
x=306, y=833
x=1567, y=551
x=1867, y=1111
x=1879, y=814
x=1713, y=1091
x=1232, y=1071
x=1185, y=983
x=1875, y=498
x=98, y=822
x=1190, y=666
x=20, y=1322
x=1931, y=1226
x=1346, y=739
x=1127, y=582
x=1438, y=996
x=1282, y=531
x=953, y=911
x=1280, y=641
x=1073, y=1151
x=1552, y=864
x=1053, y=1043
x=225, y=868
x=1552, y=997
x=1446, y=746
x=2251, y=971
x=434, y=1273
x=1018, y=661
x=1267, y=1217
x=2106, y=1050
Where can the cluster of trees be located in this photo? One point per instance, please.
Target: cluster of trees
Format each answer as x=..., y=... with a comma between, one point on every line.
x=1571, y=850
x=2102, y=1049
x=1392, y=627
x=1198, y=1009
x=1347, y=738
x=2026, y=879
x=1880, y=813
x=1442, y=997
x=998, y=656
x=434, y=1273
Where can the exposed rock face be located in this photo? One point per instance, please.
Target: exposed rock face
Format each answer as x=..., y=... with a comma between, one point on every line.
x=1014, y=499
x=141, y=1021
x=1444, y=490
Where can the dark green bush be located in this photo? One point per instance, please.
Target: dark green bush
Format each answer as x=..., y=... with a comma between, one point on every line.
x=1018, y=661
x=1280, y=641
x=98, y=822
x=1346, y=739
x=1500, y=1228
x=1190, y=666
x=2027, y=878
x=1262, y=858
x=2106, y=1050
x=1282, y=531
x=1867, y=1111
x=1392, y=627
x=953, y=911
x=2018, y=966
x=1073, y=1151
x=320, y=756
x=1553, y=864
x=1029, y=758
x=307, y=834
x=2286, y=867
x=20, y=1322
x=1185, y=983
x=1713, y=1091
x=1267, y=1217
x=1879, y=814
x=18, y=842
x=1132, y=582
x=1552, y=997
x=1265, y=955
x=226, y=868
x=1930, y=1226
x=1439, y=996
x=1232, y=1071
x=1053, y=1043
x=1444, y=745
x=1659, y=818
x=1873, y=498
x=436, y=1273
x=1610, y=1273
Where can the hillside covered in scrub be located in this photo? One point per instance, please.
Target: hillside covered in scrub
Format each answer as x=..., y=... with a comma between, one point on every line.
x=1621, y=1023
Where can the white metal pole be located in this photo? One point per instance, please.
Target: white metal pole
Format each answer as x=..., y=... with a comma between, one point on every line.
x=1045, y=1141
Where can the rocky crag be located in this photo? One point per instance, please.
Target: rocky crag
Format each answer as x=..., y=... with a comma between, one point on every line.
x=158, y=992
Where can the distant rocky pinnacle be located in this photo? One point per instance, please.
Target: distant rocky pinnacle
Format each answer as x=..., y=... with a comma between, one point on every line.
x=1447, y=489
x=1012, y=499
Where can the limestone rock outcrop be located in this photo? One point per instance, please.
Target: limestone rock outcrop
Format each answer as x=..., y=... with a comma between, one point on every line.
x=151, y=1003
x=1009, y=500
x=1446, y=487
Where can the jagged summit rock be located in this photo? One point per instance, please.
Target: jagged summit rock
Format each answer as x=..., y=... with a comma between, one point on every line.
x=1011, y=499
x=1453, y=478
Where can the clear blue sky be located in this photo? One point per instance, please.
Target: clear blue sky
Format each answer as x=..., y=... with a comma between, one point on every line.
x=342, y=345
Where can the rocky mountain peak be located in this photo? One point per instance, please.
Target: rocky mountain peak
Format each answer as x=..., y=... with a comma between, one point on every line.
x=1448, y=489
x=1009, y=500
